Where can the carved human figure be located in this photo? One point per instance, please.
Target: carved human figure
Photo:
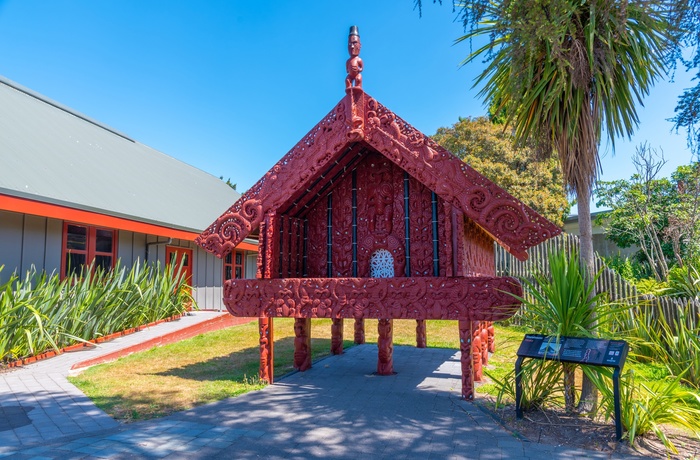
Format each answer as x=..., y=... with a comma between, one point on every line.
x=302, y=349
x=385, y=363
x=354, y=65
x=337, y=336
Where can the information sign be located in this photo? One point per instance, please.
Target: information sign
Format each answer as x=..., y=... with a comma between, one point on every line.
x=578, y=350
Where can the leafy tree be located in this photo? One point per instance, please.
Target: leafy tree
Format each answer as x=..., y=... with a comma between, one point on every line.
x=565, y=73
x=490, y=150
x=685, y=18
x=659, y=215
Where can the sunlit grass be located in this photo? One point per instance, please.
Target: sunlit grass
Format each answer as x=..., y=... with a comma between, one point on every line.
x=220, y=364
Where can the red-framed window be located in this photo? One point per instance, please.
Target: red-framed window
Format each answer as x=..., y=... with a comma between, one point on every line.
x=83, y=245
x=180, y=256
x=234, y=265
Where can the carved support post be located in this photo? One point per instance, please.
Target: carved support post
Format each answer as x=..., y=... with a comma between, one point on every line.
x=337, y=336
x=492, y=338
x=267, y=355
x=484, y=343
x=359, y=331
x=421, y=334
x=466, y=334
x=302, y=344
x=385, y=362
x=476, y=352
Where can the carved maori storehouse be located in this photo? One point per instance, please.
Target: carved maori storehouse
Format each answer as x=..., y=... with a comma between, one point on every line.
x=366, y=217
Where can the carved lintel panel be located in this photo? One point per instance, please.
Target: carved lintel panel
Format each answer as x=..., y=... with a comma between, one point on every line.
x=466, y=333
x=421, y=334
x=337, y=336
x=481, y=298
x=385, y=344
x=267, y=355
x=359, y=338
x=302, y=344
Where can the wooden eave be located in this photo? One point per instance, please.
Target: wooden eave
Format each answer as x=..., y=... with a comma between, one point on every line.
x=359, y=120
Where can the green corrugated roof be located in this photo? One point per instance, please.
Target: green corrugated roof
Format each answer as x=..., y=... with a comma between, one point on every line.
x=53, y=154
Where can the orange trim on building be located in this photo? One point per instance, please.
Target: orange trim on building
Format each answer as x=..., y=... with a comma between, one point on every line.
x=36, y=208
x=247, y=246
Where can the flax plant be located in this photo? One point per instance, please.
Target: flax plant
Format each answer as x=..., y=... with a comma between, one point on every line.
x=40, y=312
x=645, y=406
x=561, y=303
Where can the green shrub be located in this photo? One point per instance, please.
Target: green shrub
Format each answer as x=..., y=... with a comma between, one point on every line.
x=647, y=405
x=42, y=312
x=685, y=281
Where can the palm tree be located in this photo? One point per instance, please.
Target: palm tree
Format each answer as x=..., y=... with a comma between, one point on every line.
x=565, y=73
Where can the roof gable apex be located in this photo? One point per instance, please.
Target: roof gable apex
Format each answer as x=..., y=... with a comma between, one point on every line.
x=359, y=117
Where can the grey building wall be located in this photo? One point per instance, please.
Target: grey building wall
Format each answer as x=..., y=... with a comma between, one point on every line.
x=27, y=240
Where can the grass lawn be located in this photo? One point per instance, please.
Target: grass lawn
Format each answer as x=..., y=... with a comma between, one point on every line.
x=224, y=363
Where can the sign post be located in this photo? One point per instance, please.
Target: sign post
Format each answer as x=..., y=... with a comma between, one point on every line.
x=577, y=350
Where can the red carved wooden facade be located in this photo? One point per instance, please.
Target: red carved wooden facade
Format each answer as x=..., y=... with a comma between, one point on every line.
x=366, y=217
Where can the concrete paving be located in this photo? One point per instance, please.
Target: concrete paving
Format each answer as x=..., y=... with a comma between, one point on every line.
x=38, y=404
x=338, y=409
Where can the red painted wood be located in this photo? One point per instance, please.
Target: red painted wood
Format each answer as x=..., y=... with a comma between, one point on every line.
x=407, y=298
x=267, y=347
x=421, y=334
x=302, y=344
x=337, y=336
x=385, y=345
x=466, y=334
x=359, y=117
x=359, y=337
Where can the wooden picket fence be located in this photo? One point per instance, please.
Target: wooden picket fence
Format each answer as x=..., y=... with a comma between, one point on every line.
x=617, y=288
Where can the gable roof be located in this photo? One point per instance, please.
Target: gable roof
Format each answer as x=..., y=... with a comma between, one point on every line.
x=56, y=161
x=358, y=119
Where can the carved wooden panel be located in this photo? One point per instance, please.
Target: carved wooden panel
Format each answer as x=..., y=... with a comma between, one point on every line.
x=488, y=299
x=342, y=228
x=479, y=257
x=380, y=212
x=507, y=219
x=317, y=240
x=421, y=229
x=359, y=117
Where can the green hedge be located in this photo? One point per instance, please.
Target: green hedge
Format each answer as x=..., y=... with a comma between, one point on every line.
x=42, y=312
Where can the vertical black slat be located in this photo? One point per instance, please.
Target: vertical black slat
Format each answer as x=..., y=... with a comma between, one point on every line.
x=281, y=220
x=304, y=267
x=407, y=222
x=329, y=244
x=436, y=246
x=354, y=223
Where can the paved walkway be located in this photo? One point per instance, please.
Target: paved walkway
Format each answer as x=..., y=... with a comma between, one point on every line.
x=338, y=409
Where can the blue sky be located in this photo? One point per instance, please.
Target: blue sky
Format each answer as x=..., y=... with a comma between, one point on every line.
x=230, y=86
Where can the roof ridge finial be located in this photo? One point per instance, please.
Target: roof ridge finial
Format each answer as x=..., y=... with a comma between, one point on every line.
x=354, y=64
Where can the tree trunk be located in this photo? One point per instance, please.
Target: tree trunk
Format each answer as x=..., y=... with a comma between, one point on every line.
x=589, y=393
x=569, y=387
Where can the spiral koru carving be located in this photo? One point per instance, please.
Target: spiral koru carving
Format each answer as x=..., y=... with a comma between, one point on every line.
x=464, y=298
